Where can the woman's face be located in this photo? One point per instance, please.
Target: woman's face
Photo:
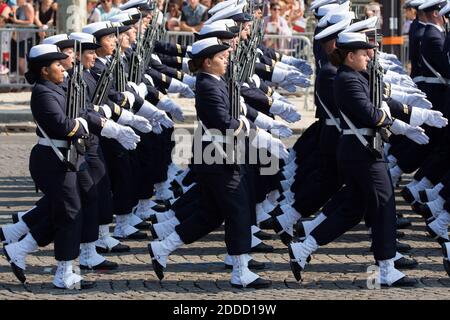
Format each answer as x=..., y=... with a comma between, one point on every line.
x=218, y=64
x=108, y=44
x=88, y=58
x=275, y=11
x=54, y=72
x=67, y=63
x=358, y=60
x=132, y=33
x=245, y=32
x=124, y=41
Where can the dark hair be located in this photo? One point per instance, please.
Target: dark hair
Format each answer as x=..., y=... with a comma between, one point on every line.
x=34, y=70
x=195, y=64
x=337, y=57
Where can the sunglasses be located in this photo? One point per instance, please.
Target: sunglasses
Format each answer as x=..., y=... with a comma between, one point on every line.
x=275, y=9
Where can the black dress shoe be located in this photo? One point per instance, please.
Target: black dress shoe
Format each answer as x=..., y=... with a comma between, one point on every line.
x=423, y=210
x=295, y=267
x=263, y=248
x=400, y=234
x=15, y=217
x=118, y=248
x=403, y=282
x=157, y=267
x=84, y=284
x=159, y=208
x=257, y=284
x=403, y=247
x=138, y=235
x=2, y=236
x=153, y=233
x=18, y=272
x=142, y=225
x=447, y=266
x=439, y=239
x=407, y=195
x=405, y=263
x=267, y=224
x=403, y=223
x=263, y=235
x=104, y=266
x=423, y=196
x=252, y=265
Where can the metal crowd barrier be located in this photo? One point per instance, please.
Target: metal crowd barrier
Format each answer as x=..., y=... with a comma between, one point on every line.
x=15, y=43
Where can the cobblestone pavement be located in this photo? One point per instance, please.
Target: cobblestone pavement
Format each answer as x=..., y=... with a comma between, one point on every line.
x=337, y=271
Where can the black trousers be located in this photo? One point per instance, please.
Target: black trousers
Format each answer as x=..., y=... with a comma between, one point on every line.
x=121, y=173
x=64, y=198
x=369, y=193
x=224, y=198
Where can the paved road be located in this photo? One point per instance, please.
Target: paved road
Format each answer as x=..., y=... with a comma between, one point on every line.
x=337, y=271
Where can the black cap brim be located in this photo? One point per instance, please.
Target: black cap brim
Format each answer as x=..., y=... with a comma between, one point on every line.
x=355, y=45
x=210, y=51
x=48, y=57
x=104, y=32
x=123, y=29
x=217, y=34
x=241, y=17
x=90, y=46
x=64, y=44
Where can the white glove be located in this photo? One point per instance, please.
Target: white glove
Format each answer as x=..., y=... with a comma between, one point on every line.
x=130, y=97
x=300, y=64
x=386, y=109
x=185, y=65
x=156, y=117
x=170, y=106
x=430, y=117
x=281, y=129
x=387, y=65
x=267, y=123
x=277, y=96
x=407, y=89
x=416, y=134
x=285, y=110
x=413, y=99
x=189, y=80
x=84, y=123
x=263, y=139
x=124, y=135
x=106, y=110
x=135, y=121
x=392, y=58
x=142, y=90
x=188, y=50
x=176, y=86
x=395, y=78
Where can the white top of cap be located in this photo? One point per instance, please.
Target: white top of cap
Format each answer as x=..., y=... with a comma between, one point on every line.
x=200, y=45
x=445, y=9
x=82, y=37
x=350, y=37
x=226, y=13
x=335, y=16
x=96, y=26
x=132, y=3
x=429, y=3
x=121, y=17
x=56, y=38
x=224, y=4
x=41, y=49
x=370, y=23
x=341, y=25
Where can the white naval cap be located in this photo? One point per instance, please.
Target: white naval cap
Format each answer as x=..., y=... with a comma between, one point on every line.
x=87, y=40
x=99, y=29
x=363, y=25
x=320, y=3
x=413, y=3
x=324, y=10
x=224, y=4
x=207, y=47
x=61, y=40
x=332, y=31
x=143, y=4
x=353, y=40
x=334, y=16
x=218, y=29
x=432, y=5
x=133, y=12
x=124, y=18
x=445, y=10
x=45, y=52
x=233, y=12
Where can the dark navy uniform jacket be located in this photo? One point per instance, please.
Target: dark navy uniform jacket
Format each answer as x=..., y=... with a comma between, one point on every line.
x=415, y=36
x=329, y=135
x=432, y=49
x=167, y=48
x=270, y=52
x=48, y=106
x=213, y=110
x=352, y=95
x=319, y=54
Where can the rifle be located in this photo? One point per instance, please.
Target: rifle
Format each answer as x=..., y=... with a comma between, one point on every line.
x=136, y=65
x=149, y=41
x=119, y=72
x=75, y=105
x=105, y=82
x=376, y=96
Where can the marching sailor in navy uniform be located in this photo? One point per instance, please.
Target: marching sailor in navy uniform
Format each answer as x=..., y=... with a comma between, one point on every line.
x=224, y=195
x=48, y=103
x=362, y=168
